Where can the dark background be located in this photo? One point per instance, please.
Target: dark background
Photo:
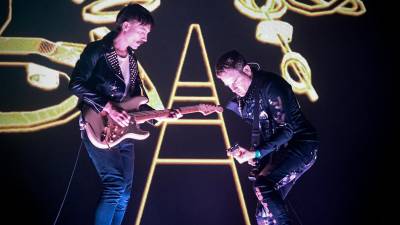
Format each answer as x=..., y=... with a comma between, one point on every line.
x=352, y=63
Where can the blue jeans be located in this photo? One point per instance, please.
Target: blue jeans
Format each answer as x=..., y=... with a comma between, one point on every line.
x=284, y=167
x=115, y=168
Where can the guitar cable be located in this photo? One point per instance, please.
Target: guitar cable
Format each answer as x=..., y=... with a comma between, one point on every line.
x=69, y=184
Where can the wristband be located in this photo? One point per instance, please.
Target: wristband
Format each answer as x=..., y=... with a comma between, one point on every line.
x=258, y=154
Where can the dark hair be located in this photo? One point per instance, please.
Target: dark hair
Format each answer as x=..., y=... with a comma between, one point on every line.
x=134, y=12
x=230, y=60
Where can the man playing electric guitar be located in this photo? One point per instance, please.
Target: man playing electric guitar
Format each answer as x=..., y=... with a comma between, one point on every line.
x=106, y=74
x=284, y=143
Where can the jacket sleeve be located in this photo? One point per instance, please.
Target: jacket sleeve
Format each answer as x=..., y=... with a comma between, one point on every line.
x=233, y=106
x=79, y=83
x=277, y=101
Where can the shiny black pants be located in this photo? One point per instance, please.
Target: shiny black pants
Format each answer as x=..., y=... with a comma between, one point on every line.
x=273, y=184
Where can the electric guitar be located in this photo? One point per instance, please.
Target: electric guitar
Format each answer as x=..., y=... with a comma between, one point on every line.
x=258, y=167
x=103, y=132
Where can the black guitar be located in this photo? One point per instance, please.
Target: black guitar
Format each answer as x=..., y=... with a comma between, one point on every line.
x=259, y=165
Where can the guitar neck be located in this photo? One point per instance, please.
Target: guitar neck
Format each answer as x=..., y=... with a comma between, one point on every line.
x=143, y=116
x=188, y=109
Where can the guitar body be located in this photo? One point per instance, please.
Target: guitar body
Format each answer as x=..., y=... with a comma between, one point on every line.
x=262, y=166
x=104, y=133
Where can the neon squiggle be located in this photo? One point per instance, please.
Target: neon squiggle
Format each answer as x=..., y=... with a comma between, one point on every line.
x=271, y=30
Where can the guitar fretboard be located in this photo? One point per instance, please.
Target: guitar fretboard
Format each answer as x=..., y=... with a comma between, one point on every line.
x=154, y=114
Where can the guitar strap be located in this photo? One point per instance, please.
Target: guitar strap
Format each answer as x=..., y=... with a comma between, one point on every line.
x=255, y=131
x=261, y=164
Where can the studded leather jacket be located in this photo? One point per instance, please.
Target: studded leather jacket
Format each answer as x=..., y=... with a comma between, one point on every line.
x=280, y=117
x=97, y=77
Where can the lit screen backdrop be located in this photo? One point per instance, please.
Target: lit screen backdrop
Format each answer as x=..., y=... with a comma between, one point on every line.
x=331, y=52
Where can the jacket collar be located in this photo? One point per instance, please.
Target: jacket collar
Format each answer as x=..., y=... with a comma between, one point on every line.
x=108, y=41
x=112, y=59
x=108, y=44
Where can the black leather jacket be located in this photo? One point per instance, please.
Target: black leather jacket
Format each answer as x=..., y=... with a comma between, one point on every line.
x=281, y=119
x=97, y=78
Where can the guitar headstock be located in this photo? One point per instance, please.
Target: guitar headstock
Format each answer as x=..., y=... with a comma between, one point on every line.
x=207, y=109
x=233, y=149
